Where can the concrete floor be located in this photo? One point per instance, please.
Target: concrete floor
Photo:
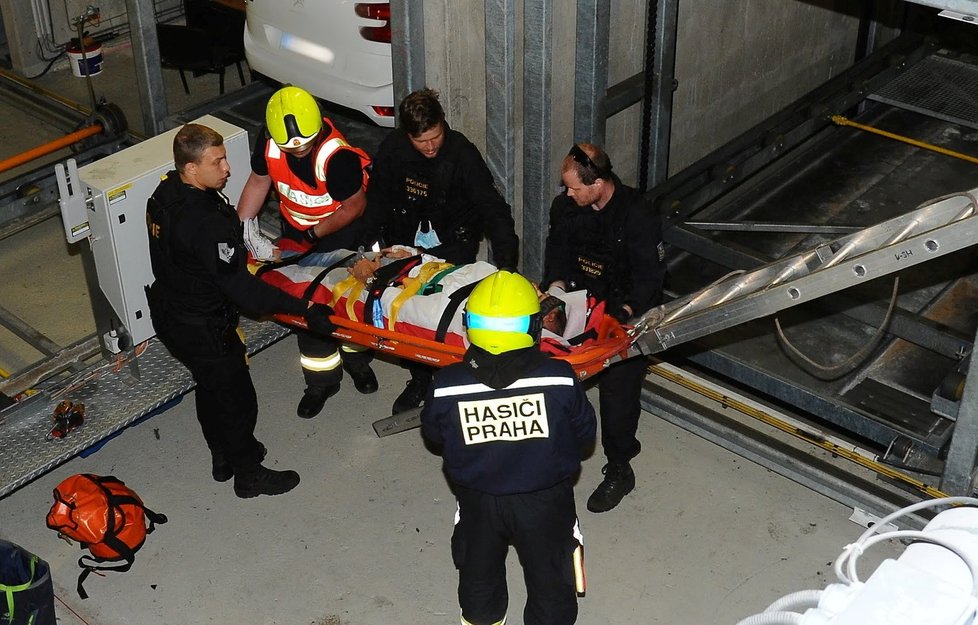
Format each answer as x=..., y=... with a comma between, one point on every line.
x=706, y=537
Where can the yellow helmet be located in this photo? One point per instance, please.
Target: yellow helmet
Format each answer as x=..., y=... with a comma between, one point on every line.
x=293, y=117
x=503, y=313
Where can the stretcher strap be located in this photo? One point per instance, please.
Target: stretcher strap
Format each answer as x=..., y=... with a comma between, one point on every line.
x=292, y=260
x=428, y=274
x=454, y=301
x=311, y=289
x=389, y=275
x=432, y=285
x=352, y=298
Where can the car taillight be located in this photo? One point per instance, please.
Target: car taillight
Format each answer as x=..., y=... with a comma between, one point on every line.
x=375, y=11
x=383, y=111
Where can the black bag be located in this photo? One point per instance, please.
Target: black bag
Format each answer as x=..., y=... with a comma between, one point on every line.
x=26, y=591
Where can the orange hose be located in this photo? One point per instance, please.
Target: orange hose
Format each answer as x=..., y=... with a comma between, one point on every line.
x=47, y=148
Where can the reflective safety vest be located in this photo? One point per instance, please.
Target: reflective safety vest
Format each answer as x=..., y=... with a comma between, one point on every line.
x=303, y=205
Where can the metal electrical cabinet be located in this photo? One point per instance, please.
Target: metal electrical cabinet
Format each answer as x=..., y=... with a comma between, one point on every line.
x=116, y=189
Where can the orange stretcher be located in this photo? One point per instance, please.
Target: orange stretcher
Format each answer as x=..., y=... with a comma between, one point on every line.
x=612, y=343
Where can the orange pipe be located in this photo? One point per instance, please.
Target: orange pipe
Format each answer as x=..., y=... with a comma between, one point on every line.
x=47, y=148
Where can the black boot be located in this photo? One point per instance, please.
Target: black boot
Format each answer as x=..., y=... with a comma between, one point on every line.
x=619, y=480
x=221, y=469
x=363, y=377
x=258, y=480
x=314, y=399
x=412, y=396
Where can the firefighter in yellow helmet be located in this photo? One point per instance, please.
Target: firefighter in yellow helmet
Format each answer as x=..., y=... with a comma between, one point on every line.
x=320, y=181
x=512, y=426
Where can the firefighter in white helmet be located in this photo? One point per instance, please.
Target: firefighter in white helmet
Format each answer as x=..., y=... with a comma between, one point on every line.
x=512, y=426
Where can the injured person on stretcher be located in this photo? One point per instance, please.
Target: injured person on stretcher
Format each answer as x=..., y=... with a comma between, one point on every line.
x=401, y=290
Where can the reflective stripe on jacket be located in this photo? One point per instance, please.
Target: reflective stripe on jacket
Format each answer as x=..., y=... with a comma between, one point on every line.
x=303, y=205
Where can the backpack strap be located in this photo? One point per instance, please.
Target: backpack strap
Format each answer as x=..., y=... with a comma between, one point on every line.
x=111, y=538
x=454, y=301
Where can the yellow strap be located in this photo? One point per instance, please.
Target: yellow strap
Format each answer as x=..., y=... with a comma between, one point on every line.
x=411, y=286
x=352, y=297
x=410, y=289
x=340, y=289
x=844, y=121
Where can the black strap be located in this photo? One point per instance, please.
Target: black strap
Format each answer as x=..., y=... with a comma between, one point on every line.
x=388, y=275
x=111, y=539
x=583, y=336
x=454, y=301
x=291, y=260
x=311, y=289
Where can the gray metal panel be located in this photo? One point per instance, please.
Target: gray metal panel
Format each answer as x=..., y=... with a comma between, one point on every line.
x=811, y=401
x=501, y=95
x=537, y=93
x=113, y=400
x=959, y=468
x=960, y=6
x=938, y=86
x=804, y=468
x=591, y=78
x=407, y=48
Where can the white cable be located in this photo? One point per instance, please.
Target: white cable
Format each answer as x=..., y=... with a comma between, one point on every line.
x=773, y=618
x=936, y=540
x=852, y=551
x=799, y=599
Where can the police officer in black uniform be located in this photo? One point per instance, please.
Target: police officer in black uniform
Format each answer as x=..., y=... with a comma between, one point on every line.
x=199, y=262
x=606, y=238
x=431, y=189
x=512, y=426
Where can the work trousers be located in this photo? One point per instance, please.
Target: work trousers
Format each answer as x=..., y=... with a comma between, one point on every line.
x=322, y=358
x=227, y=406
x=541, y=527
x=619, y=401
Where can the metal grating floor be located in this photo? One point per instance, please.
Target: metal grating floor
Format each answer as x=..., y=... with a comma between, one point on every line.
x=113, y=400
x=938, y=86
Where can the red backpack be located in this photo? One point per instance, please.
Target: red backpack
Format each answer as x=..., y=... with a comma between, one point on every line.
x=106, y=517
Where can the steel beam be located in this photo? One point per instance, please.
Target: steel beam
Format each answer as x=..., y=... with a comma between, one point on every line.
x=663, y=22
x=537, y=95
x=591, y=76
x=149, y=71
x=501, y=95
x=962, y=454
x=407, y=48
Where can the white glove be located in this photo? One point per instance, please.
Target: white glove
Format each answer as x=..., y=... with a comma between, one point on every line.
x=260, y=246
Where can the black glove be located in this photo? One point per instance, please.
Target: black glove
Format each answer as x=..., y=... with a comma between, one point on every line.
x=621, y=314
x=309, y=234
x=317, y=319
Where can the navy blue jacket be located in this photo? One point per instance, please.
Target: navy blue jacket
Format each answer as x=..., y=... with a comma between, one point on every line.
x=527, y=436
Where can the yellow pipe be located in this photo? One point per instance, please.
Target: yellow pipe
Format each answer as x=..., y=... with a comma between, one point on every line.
x=773, y=421
x=843, y=121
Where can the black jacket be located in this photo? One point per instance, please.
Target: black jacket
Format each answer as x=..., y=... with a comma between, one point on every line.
x=199, y=260
x=616, y=252
x=525, y=436
x=454, y=191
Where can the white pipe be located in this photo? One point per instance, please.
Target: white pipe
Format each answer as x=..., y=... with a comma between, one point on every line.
x=773, y=618
x=800, y=599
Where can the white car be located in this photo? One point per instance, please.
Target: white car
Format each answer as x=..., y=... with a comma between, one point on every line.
x=338, y=50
